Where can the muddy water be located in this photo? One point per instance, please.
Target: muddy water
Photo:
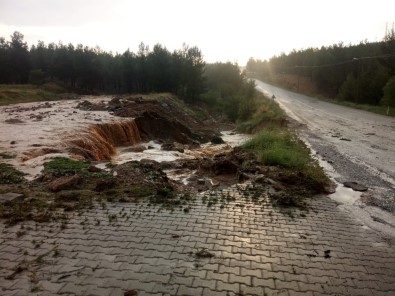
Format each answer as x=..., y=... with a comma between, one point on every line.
x=154, y=152
x=27, y=129
x=37, y=132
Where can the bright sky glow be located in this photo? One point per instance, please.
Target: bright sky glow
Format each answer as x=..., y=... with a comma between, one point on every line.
x=229, y=30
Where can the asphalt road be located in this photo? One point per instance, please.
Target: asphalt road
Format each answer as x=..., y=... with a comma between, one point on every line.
x=357, y=145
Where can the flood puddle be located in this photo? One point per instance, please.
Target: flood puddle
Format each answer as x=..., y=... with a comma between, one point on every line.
x=153, y=150
x=37, y=132
x=345, y=195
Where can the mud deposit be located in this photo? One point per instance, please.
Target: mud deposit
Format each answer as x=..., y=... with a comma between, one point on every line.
x=65, y=156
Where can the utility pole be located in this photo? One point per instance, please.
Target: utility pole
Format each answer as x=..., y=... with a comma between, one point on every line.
x=298, y=74
x=357, y=77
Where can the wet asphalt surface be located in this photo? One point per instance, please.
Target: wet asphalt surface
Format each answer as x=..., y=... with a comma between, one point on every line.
x=358, y=145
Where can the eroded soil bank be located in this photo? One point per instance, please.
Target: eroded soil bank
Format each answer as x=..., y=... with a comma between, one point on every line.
x=99, y=149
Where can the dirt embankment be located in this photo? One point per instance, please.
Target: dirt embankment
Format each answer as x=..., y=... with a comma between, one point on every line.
x=159, y=119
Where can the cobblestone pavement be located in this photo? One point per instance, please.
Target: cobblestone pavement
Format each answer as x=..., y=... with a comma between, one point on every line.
x=242, y=247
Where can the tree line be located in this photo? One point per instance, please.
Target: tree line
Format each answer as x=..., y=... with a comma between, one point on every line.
x=88, y=70
x=221, y=87
x=363, y=73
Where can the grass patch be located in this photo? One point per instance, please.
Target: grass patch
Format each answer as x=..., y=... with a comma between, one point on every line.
x=139, y=190
x=279, y=147
x=62, y=166
x=7, y=155
x=276, y=146
x=25, y=93
x=10, y=175
x=370, y=108
x=267, y=112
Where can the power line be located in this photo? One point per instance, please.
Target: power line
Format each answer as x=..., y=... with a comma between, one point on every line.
x=347, y=61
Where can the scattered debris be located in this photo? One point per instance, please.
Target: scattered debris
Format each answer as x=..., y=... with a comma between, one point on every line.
x=14, y=121
x=345, y=139
x=203, y=253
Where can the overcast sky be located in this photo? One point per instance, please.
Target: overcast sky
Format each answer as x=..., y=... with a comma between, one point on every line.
x=231, y=30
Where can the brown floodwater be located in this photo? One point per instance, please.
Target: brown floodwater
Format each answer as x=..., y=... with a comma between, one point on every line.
x=37, y=132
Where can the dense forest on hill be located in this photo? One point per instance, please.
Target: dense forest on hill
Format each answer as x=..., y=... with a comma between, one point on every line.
x=363, y=73
x=84, y=70
x=90, y=70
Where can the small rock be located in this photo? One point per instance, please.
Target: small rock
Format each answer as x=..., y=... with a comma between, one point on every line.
x=345, y=139
x=14, y=121
x=136, y=149
x=203, y=254
x=355, y=186
x=94, y=169
x=64, y=183
x=217, y=140
x=132, y=292
x=201, y=181
x=9, y=196
x=173, y=147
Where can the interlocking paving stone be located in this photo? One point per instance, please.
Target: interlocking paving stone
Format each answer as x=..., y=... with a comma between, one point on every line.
x=258, y=250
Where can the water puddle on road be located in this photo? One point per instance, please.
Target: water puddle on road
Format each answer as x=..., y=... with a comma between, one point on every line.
x=345, y=195
x=342, y=194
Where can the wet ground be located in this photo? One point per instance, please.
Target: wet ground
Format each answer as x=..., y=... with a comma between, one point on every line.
x=353, y=145
x=238, y=246
x=208, y=238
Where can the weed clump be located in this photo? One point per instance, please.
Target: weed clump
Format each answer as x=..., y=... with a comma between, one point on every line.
x=268, y=112
x=62, y=166
x=280, y=147
x=10, y=175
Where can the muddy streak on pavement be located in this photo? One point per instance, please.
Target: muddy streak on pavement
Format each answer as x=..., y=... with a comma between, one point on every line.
x=359, y=146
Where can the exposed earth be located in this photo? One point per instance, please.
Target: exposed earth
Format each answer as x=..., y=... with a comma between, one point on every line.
x=69, y=154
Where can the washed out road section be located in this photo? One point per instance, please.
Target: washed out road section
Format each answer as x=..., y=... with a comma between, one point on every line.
x=354, y=145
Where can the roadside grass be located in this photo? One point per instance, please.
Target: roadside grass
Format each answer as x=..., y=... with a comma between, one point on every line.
x=382, y=110
x=278, y=146
x=267, y=112
x=274, y=144
x=25, y=93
